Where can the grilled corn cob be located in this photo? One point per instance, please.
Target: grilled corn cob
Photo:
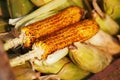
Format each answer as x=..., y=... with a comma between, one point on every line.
x=33, y=31
x=79, y=31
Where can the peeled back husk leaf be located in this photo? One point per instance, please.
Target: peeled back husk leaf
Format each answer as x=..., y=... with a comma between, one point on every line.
x=105, y=42
x=106, y=24
x=18, y=8
x=112, y=8
x=53, y=68
x=39, y=3
x=62, y=68
x=89, y=58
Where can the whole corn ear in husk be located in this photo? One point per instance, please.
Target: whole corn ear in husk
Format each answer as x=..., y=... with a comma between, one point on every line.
x=105, y=42
x=89, y=58
x=61, y=68
x=18, y=8
x=106, y=23
x=112, y=8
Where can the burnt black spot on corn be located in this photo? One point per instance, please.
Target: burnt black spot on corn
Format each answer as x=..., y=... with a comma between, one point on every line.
x=79, y=31
x=64, y=18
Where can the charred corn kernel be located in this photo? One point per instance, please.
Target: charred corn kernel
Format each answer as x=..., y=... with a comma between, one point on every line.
x=79, y=31
x=39, y=29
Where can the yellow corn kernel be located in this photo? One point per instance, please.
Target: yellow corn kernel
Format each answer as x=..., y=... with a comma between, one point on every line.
x=79, y=31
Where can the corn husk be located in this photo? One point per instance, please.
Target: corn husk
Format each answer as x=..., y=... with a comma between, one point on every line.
x=39, y=3
x=89, y=58
x=50, y=77
x=62, y=68
x=18, y=8
x=4, y=26
x=52, y=58
x=41, y=17
x=112, y=8
x=106, y=24
x=24, y=72
x=53, y=68
x=105, y=42
x=74, y=72
x=3, y=9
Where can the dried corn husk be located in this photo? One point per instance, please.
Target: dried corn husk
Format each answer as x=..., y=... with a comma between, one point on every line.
x=18, y=8
x=62, y=68
x=105, y=42
x=89, y=58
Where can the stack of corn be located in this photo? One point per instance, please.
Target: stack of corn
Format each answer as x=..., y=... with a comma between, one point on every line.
x=62, y=43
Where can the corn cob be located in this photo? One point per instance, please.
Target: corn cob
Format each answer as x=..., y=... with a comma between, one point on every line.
x=33, y=31
x=79, y=31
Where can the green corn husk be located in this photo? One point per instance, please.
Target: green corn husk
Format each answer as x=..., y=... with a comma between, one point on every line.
x=39, y=3
x=50, y=77
x=53, y=68
x=106, y=24
x=18, y=8
x=62, y=68
x=24, y=72
x=4, y=26
x=41, y=17
x=89, y=58
x=102, y=41
x=112, y=8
